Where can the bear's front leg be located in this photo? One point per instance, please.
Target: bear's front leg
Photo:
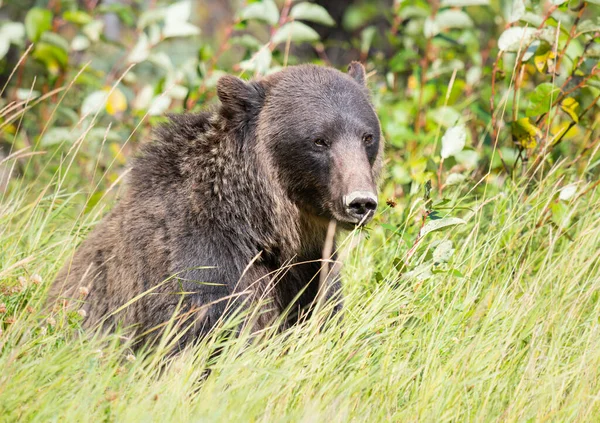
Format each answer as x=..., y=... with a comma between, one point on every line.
x=223, y=282
x=330, y=286
x=260, y=302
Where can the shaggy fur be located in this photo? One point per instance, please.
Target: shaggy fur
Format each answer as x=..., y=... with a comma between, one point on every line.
x=220, y=200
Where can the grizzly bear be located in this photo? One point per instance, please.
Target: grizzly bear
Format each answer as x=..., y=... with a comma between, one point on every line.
x=231, y=208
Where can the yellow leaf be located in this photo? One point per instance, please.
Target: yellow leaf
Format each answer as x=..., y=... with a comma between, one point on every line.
x=540, y=63
x=525, y=133
x=10, y=128
x=117, y=152
x=570, y=106
x=564, y=131
x=116, y=102
x=545, y=61
x=412, y=82
x=559, y=131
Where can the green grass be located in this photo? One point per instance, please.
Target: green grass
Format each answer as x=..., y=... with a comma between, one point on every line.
x=515, y=338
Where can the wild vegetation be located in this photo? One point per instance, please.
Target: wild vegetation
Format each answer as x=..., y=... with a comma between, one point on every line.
x=473, y=295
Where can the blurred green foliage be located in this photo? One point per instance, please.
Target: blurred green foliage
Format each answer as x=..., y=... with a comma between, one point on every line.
x=464, y=88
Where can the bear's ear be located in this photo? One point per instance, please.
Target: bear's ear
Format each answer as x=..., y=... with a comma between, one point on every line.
x=357, y=71
x=239, y=97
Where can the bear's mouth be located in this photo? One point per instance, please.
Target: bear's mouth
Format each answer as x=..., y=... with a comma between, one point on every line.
x=350, y=223
x=348, y=226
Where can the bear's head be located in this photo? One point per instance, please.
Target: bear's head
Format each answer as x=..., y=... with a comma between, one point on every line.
x=320, y=131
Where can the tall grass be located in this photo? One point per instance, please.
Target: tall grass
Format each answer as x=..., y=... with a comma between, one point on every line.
x=516, y=337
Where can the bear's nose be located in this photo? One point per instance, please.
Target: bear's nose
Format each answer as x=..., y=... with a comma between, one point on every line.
x=360, y=205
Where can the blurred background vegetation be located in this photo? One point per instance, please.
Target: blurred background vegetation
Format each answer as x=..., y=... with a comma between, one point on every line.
x=516, y=81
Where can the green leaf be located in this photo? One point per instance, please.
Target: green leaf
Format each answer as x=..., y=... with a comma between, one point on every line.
x=54, y=58
x=463, y=3
x=124, y=11
x=410, y=12
x=454, y=179
x=389, y=227
x=366, y=38
x=141, y=50
x=540, y=101
x=4, y=46
x=182, y=29
x=453, y=141
x=94, y=102
x=58, y=135
x=430, y=28
x=149, y=17
x=443, y=252
x=159, y=105
x=436, y=225
x=260, y=62
x=176, y=21
x=567, y=192
x=516, y=37
x=37, y=21
x=55, y=39
x=358, y=14
x=178, y=12
x=421, y=272
x=93, y=30
x=525, y=133
x=296, y=32
x=517, y=12
x=265, y=10
x=455, y=272
x=246, y=40
x=445, y=116
x=561, y=214
x=468, y=158
x=80, y=43
x=93, y=201
x=77, y=16
x=13, y=32
x=589, y=25
x=448, y=19
x=312, y=12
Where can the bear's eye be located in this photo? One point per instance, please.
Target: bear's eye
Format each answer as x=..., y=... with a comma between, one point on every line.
x=320, y=142
x=368, y=139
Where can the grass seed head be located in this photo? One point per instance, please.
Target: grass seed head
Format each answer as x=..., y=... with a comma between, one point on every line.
x=22, y=281
x=36, y=279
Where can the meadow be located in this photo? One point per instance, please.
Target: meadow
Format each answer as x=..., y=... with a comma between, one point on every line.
x=474, y=293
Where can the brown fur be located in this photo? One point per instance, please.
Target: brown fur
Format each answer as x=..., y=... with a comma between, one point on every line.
x=212, y=211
